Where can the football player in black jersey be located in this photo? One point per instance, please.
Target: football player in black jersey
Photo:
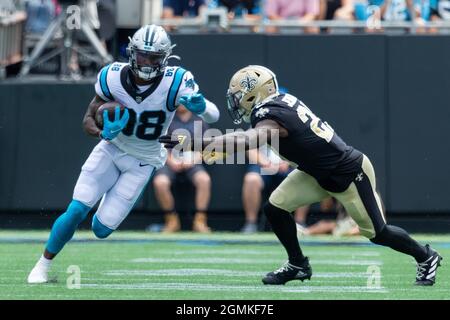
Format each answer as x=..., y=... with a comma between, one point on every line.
x=326, y=166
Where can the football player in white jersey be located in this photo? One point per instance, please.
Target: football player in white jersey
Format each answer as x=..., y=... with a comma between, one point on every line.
x=128, y=154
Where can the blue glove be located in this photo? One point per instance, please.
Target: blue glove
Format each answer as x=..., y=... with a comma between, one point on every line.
x=195, y=103
x=112, y=128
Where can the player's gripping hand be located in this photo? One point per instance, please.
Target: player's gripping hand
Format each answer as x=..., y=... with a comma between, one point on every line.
x=171, y=141
x=112, y=128
x=168, y=141
x=195, y=103
x=184, y=143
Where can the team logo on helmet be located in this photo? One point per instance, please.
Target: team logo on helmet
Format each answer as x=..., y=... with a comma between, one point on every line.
x=248, y=83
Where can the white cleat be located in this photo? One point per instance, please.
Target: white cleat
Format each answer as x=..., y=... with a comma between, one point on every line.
x=39, y=274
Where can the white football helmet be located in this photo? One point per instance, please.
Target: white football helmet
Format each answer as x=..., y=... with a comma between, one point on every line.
x=149, y=50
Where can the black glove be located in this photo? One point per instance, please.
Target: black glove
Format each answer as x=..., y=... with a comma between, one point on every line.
x=171, y=142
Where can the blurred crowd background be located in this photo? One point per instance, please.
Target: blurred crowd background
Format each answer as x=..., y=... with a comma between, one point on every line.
x=24, y=22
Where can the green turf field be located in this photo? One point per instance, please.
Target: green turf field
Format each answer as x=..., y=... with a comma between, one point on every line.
x=218, y=266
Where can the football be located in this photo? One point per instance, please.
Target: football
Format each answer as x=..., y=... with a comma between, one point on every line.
x=111, y=107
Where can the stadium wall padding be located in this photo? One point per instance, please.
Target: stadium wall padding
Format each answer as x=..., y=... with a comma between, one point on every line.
x=386, y=95
x=419, y=122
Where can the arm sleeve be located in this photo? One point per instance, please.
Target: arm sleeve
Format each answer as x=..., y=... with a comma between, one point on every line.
x=211, y=113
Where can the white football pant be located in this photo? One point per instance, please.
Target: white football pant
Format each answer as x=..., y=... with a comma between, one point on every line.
x=117, y=177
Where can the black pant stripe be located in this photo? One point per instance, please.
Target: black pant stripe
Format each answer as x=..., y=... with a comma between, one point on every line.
x=367, y=197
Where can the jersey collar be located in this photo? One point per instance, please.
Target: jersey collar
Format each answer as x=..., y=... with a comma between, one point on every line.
x=126, y=79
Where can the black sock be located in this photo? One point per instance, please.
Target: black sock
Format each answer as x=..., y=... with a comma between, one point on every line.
x=399, y=240
x=283, y=225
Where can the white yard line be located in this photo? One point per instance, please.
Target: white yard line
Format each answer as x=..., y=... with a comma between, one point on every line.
x=215, y=260
x=234, y=288
x=220, y=272
x=262, y=252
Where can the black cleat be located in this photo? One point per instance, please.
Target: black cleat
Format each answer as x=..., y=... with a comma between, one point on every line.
x=426, y=271
x=289, y=272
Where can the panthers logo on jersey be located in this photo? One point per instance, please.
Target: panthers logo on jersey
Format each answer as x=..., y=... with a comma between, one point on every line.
x=190, y=83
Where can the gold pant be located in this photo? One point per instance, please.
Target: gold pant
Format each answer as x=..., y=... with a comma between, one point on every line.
x=360, y=200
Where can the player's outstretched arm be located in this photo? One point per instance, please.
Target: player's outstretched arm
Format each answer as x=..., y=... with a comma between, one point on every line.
x=262, y=134
x=89, y=125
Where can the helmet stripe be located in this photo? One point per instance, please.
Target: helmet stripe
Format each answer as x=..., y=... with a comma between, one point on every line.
x=152, y=37
x=147, y=32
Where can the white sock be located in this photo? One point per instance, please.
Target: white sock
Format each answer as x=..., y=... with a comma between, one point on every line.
x=43, y=261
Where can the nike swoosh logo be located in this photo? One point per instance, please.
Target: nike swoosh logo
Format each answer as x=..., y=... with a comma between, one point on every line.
x=116, y=131
x=143, y=165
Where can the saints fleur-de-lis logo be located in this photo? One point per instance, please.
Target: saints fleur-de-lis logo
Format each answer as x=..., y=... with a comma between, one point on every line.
x=248, y=83
x=262, y=112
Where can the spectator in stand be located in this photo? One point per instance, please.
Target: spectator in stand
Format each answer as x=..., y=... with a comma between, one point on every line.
x=248, y=9
x=434, y=10
x=399, y=10
x=396, y=10
x=335, y=221
x=336, y=10
x=177, y=9
x=439, y=10
x=303, y=10
x=255, y=184
x=243, y=9
x=186, y=167
x=182, y=8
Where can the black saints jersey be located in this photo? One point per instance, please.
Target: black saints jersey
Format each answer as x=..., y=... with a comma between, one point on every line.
x=311, y=143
